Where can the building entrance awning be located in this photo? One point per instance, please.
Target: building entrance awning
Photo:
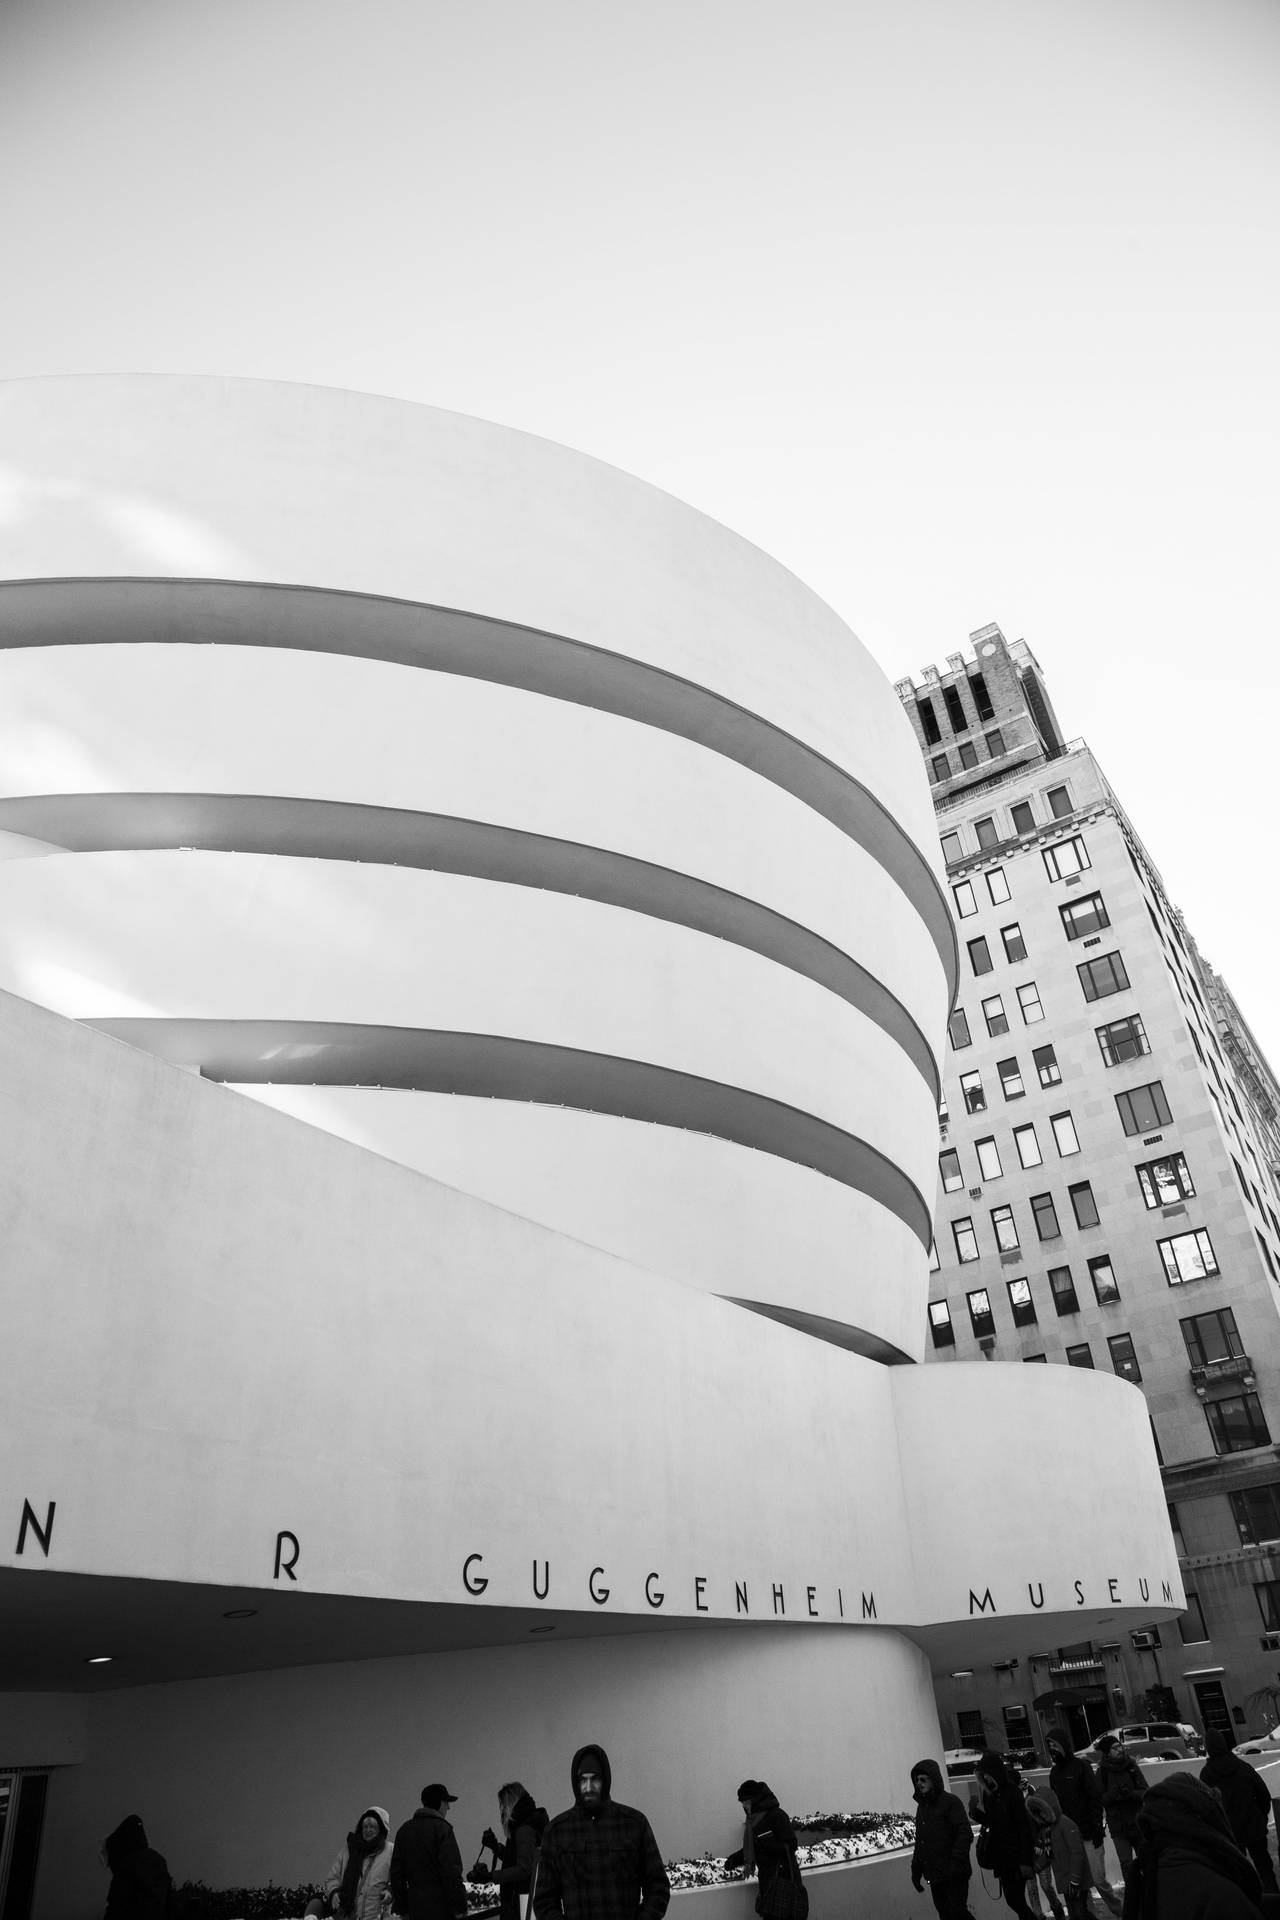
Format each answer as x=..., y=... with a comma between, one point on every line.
x=1085, y=1696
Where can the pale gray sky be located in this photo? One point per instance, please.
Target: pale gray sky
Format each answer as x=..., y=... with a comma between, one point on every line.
x=967, y=310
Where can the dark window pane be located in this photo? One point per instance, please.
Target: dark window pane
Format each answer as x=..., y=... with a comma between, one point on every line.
x=980, y=955
x=1024, y=820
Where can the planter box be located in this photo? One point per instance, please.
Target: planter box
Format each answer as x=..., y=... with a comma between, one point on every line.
x=879, y=1885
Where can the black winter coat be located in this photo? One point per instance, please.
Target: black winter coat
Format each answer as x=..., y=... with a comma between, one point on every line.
x=514, y=1873
x=943, y=1834
x=1007, y=1824
x=426, y=1869
x=1073, y=1785
x=1122, y=1784
x=139, y=1887
x=1244, y=1796
x=773, y=1838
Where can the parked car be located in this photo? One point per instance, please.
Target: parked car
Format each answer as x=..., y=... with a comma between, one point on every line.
x=1265, y=1744
x=961, y=1763
x=1152, y=1740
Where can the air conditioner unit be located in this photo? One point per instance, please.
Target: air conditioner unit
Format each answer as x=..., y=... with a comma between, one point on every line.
x=1270, y=1643
x=988, y=1343
x=975, y=1193
x=1144, y=1642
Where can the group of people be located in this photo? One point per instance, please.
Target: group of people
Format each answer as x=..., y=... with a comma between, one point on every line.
x=1189, y=1849
x=596, y=1861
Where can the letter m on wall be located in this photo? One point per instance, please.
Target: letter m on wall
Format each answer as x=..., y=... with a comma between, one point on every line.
x=985, y=1605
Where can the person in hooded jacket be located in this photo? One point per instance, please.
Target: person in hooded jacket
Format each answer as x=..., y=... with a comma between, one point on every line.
x=1064, y=1843
x=599, y=1859
x=426, y=1868
x=1006, y=1838
x=943, y=1841
x=356, y=1884
x=140, y=1883
x=516, y=1854
x=768, y=1838
x=1075, y=1787
x=1246, y=1801
x=1122, y=1784
x=1187, y=1866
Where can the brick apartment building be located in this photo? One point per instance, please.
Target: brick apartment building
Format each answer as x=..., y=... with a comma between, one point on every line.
x=1108, y=1195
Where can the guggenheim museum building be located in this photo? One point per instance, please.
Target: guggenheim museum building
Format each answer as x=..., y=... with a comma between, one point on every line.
x=473, y=971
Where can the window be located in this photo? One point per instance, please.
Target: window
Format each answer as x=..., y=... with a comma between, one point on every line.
x=1006, y=1230
x=928, y=721
x=975, y=1100
x=1083, y=1204
x=1079, y=1356
x=955, y=710
x=1015, y=947
x=1024, y=1307
x=1123, y=1040
x=934, y=1262
x=1143, y=1109
x=995, y=742
x=1102, y=1274
x=1257, y=1514
x=951, y=851
x=958, y=1029
x=966, y=1240
x=1024, y=1139
x=986, y=832
x=1029, y=1001
x=997, y=886
x=1191, y=1626
x=1024, y=820
x=1010, y=1079
x=994, y=1014
x=949, y=1168
x=1175, y=1528
x=1087, y=914
x=1064, y=1134
x=1237, y=1424
x=980, y=1314
x=1102, y=976
x=1165, y=1182
x=981, y=698
x=941, y=766
x=968, y=754
x=1068, y=857
x=944, y=1334
x=965, y=902
x=1045, y=1215
x=1059, y=802
x=1124, y=1360
x=1046, y=1065
x=1188, y=1256
x=1063, y=1289
x=989, y=1159
x=980, y=955
x=1212, y=1336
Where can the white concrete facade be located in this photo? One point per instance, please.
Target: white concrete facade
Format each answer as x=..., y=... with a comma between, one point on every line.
x=568, y=868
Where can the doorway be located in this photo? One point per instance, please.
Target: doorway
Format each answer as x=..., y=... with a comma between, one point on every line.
x=22, y=1802
x=1215, y=1714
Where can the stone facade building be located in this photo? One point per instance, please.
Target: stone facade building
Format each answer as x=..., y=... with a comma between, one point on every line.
x=1108, y=1194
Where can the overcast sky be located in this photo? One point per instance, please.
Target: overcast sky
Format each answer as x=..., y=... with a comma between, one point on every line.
x=967, y=310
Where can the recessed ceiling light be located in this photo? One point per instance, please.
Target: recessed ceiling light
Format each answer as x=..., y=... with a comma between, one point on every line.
x=549, y=1628
x=240, y=1613
x=98, y=1659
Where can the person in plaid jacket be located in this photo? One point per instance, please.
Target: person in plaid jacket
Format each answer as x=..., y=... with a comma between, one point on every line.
x=599, y=1860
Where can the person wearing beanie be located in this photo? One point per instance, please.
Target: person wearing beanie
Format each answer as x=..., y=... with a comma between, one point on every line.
x=944, y=1839
x=140, y=1883
x=1246, y=1803
x=1122, y=1784
x=1076, y=1790
x=1006, y=1845
x=768, y=1841
x=599, y=1859
x=1187, y=1866
x=425, y=1877
x=356, y=1883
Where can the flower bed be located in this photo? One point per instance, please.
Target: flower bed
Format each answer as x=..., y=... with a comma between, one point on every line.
x=825, y=1840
